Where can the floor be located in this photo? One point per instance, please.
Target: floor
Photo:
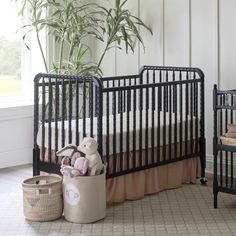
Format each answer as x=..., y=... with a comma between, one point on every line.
x=183, y=211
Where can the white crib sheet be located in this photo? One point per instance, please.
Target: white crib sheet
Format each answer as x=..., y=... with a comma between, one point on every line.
x=118, y=130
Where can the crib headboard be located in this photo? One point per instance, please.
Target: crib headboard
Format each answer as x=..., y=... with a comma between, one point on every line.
x=63, y=104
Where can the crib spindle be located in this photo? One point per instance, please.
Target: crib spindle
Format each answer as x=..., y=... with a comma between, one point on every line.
x=140, y=125
x=63, y=112
x=175, y=107
x=226, y=153
x=170, y=122
x=231, y=154
x=107, y=128
x=43, y=118
x=91, y=101
x=191, y=118
x=121, y=129
x=77, y=138
x=196, y=116
x=221, y=132
x=50, y=96
x=70, y=112
x=164, y=122
x=84, y=107
x=159, y=124
x=181, y=117
x=152, y=132
x=134, y=128
x=128, y=130
x=195, y=93
x=114, y=130
x=146, y=118
x=129, y=95
x=186, y=117
x=36, y=149
x=166, y=92
x=56, y=115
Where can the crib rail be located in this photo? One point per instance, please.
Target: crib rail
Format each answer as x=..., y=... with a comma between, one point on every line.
x=63, y=106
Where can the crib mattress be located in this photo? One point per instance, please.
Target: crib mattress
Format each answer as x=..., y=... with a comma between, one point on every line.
x=127, y=128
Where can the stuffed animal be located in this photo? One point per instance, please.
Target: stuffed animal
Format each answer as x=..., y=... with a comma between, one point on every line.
x=79, y=165
x=67, y=151
x=80, y=168
x=231, y=131
x=89, y=148
x=74, y=157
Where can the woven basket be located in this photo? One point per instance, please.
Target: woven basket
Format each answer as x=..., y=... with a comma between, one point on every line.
x=42, y=198
x=228, y=141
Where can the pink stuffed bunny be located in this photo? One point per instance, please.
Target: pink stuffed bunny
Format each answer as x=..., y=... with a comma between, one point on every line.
x=79, y=168
x=74, y=157
x=231, y=131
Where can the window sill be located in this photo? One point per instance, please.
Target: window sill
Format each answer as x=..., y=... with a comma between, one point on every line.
x=13, y=111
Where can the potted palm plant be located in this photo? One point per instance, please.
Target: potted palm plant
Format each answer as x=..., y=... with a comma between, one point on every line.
x=73, y=23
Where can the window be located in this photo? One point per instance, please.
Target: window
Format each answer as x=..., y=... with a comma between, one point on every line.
x=18, y=65
x=10, y=49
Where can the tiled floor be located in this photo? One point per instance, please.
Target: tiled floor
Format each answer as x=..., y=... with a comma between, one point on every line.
x=184, y=211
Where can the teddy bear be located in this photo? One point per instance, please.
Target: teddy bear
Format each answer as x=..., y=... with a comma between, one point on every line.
x=89, y=147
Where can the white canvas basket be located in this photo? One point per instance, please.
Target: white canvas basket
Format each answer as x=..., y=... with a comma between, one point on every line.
x=84, y=198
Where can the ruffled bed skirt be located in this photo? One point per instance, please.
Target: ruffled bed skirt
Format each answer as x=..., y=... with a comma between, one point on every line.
x=135, y=185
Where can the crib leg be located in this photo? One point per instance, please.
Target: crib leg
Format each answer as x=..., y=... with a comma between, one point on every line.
x=203, y=179
x=215, y=193
x=35, y=161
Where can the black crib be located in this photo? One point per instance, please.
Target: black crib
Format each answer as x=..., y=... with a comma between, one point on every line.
x=139, y=121
x=224, y=105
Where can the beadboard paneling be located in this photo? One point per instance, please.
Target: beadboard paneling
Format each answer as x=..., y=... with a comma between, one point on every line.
x=204, y=52
x=128, y=63
x=176, y=32
x=153, y=52
x=227, y=43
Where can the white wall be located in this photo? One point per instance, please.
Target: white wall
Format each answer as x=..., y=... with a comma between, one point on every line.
x=16, y=135
x=185, y=33
x=197, y=33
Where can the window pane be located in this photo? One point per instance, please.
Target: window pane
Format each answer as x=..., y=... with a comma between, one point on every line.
x=10, y=49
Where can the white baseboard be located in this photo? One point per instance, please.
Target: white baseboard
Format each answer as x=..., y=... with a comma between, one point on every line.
x=210, y=165
x=16, y=157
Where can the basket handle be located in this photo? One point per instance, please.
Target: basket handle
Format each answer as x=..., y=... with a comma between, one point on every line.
x=43, y=191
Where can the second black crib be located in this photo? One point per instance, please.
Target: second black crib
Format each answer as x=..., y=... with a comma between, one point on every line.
x=224, y=105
